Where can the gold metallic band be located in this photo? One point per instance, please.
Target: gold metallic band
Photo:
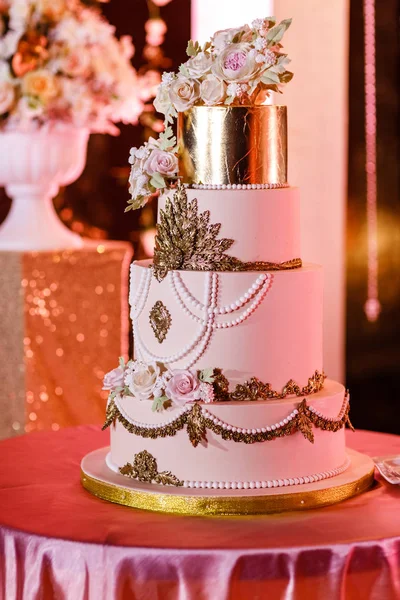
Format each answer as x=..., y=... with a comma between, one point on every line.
x=227, y=505
x=233, y=145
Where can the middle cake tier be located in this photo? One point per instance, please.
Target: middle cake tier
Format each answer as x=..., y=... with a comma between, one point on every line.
x=248, y=324
x=263, y=223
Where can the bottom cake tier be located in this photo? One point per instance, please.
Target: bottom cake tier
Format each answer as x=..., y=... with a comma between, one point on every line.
x=232, y=445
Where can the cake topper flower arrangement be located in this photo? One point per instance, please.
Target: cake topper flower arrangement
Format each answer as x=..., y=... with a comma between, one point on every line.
x=237, y=66
x=60, y=62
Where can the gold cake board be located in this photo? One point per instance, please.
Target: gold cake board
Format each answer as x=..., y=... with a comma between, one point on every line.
x=100, y=481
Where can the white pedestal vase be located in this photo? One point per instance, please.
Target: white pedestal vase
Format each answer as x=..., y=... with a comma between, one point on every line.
x=33, y=165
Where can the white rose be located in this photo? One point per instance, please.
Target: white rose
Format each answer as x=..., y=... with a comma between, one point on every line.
x=236, y=63
x=183, y=93
x=162, y=101
x=159, y=161
x=224, y=37
x=41, y=83
x=138, y=187
x=212, y=90
x=7, y=96
x=142, y=381
x=199, y=65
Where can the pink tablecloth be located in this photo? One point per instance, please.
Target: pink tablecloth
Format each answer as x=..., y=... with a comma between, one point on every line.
x=59, y=542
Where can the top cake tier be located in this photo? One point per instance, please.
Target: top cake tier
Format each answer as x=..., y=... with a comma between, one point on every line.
x=240, y=145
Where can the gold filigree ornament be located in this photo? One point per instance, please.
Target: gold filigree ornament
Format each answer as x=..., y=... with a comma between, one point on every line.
x=160, y=320
x=186, y=240
x=144, y=468
x=197, y=424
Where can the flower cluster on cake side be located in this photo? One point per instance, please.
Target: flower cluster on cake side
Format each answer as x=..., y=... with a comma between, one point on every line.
x=60, y=62
x=238, y=66
x=168, y=388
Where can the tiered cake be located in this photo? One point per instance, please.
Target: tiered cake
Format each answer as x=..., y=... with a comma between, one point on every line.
x=225, y=408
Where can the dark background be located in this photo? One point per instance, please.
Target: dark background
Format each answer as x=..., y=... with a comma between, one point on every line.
x=95, y=204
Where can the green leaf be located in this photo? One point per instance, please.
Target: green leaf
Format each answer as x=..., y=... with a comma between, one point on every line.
x=286, y=77
x=193, y=48
x=276, y=33
x=121, y=362
x=269, y=77
x=158, y=404
x=229, y=100
x=157, y=181
x=207, y=46
x=207, y=375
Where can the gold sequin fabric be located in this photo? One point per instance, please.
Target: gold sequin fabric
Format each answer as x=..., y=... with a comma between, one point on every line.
x=64, y=318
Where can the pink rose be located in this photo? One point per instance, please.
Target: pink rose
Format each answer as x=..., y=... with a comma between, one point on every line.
x=236, y=64
x=212, y=90
x=183, y=387
x=159, y=161
x=113, y=379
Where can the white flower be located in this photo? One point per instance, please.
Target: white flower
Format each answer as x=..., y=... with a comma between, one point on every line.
x=260, y=58
x=138, y=186
x=167, y=77
x=183, y=93
x=212, y=90
x=257, y=23
x=142, y=381
x=7, y=96
x=162, y=101
x=199, y=65
x=206, y=392
x=260, y=43
x=222, y=38
x=270, y=58
x=236, y=64
x=113, y=379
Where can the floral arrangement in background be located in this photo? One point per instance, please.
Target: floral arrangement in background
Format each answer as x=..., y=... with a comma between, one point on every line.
x=153, y=381
x=60, y=62
x=237, y=66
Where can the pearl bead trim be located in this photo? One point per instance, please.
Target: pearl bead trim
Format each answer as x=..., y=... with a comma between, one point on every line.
x=272, y=483
x=149, y=425
x=251, y=485
x=238, y=186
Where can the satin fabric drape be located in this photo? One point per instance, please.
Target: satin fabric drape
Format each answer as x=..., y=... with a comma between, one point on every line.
x=58, y=541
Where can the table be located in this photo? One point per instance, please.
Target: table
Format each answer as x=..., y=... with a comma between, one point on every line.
x=57, y=538
x=63, y=324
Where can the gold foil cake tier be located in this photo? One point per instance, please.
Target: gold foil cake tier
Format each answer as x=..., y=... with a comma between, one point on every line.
x=230, y=145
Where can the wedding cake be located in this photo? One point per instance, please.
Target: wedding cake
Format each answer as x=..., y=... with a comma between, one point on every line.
x=225, y=408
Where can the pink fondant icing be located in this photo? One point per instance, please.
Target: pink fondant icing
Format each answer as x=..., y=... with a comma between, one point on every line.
x=221, y=460
x=281, y=340
x=265, y=224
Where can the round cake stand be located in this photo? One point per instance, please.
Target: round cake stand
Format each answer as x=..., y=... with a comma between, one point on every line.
x=100, y=481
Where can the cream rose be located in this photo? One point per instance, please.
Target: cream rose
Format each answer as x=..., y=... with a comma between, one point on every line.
x=184, y=386
x=162, y=101
x=236, y=63
x=41, y=84
x=183, y=93
x=159, y=161
x=7, y=96
x=142, y=380
x=212, y=90
x=223, y=37
x=199, y=65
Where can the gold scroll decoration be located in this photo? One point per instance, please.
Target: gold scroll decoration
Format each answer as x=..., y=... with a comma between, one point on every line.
x=233, y=145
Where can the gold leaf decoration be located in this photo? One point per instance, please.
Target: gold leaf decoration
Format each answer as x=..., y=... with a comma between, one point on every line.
x=160, y=320
x=187, y=240
x=254, y=389
x=144, y=468
x=111, y=414
x=196, y=428
x=304, y=423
